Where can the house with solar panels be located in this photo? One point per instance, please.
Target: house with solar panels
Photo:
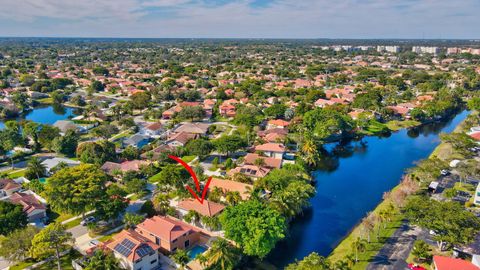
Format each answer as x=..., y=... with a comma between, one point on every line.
x=134, y=251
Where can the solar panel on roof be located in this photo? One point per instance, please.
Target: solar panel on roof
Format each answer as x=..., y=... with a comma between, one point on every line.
x=128, y=244
x=144, y=250
x=122, y=250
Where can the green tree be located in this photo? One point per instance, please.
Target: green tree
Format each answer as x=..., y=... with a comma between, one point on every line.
x=51, y=241
x=12, y=217
x=254, y=226
x=75, y=190
x=66, y=144
x=131, y=220
x=421, y=251
x=222, y=255
x=35, y=169
x=358, y=246
x=181, y=257
x=140, y=100
x=103, y=260
x=311, y=262
x=47, y=134
x=199, y=147
x=191, y=113
x=15, y=246
x=96, y=152
x=229, y=143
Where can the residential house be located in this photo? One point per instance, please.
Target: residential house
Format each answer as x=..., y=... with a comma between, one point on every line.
x=207, y=208
x=8, y=187
x=65, y=125
x=275, y=150
x=194, y=128
x=231, y=186
x=180, y=139
x=322, y=103
x=170, y=233
x=33, y=207
x=54, y=162
x=156, y=152
x=154, y=129
x=277, y=123
x=252, y=171
x=447, y=263
x=129, y=165
x=134, y=251
x=269, y=162
x=137, y=141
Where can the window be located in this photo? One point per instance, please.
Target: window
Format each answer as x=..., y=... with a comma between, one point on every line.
x=157, y=241
x=154, y=261
x=175, y=240
x=187, y=243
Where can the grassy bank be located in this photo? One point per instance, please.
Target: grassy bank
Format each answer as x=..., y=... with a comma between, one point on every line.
x=396, y=125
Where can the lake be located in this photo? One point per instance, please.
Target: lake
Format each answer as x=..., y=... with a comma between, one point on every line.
x=45, y=115
x=361, y=173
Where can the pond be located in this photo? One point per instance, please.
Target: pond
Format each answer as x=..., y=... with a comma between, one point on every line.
x=45, y=115
x=353, y=184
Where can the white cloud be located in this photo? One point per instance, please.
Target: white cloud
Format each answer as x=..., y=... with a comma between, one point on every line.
x=282, y=18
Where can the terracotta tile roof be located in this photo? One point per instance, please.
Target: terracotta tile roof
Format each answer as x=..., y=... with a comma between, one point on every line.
x=446, y=263
x=28, y=201
x=182, y=137
x=280, y=131
x=250, y=170
x=274, y=137
x=135, y=238
x=229, y=185
x=9, y=184
x=154, y=126
x=278, y=122
x=165, y=228
x=269, y=161
x=271, y=147
x=475, y=135
x=208, y=208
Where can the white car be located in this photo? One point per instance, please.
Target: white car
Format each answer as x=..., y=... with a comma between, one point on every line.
x=87, y=220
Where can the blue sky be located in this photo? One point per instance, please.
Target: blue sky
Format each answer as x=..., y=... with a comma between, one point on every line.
x=242, y=18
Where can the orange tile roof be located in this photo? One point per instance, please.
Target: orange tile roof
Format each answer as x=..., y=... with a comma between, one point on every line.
x=133, y=237
x=166, y=228
x=229, y=185
x=208, y=208
x=447, y=263
x=271, y=147
x=269, y=161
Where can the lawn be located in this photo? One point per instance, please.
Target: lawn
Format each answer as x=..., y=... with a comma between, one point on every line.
x=154, y=178
x=188, y=159
x=345, y=247
x=48, y=100
x=66, y=263
x=396, y=125
x=107, y=237
x=17, y=173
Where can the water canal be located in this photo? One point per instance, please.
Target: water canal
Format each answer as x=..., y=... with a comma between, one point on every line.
x=353, y=185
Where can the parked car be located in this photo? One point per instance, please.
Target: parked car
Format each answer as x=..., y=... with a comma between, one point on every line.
x=94, y=242
x=444, y=172
x=87, y=220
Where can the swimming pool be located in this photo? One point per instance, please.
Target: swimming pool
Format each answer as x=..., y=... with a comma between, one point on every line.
x=192, y=253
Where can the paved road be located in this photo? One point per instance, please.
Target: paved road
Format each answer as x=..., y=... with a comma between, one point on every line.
x=394, y=253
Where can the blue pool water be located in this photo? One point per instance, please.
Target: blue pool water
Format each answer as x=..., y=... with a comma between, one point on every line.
x=46, y=115
x=362, y=172
x=192, y=253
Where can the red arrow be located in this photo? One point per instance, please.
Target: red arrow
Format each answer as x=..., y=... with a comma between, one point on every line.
x=195, y=179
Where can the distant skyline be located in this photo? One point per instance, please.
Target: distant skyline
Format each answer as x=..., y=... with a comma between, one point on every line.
x=383, y=19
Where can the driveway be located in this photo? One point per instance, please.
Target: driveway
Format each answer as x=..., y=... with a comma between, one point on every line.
x=82, y=239
x=395, y=252
x=3, y=264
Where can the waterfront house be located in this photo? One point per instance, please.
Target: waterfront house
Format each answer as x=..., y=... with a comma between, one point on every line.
x=269, y=162
x=207, y=208
x=231, y=186
x=252, y=171
x=275, y=150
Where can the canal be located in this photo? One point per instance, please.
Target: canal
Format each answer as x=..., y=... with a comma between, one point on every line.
x=352, y=184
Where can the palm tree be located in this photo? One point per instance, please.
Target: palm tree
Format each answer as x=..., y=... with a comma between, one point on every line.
x=233, y=197
x=358, y=245
x=161, y=203
x=181, y=257
x=309, y=151
x=103, y=261
x=192, y=217
x=222, y=255
x=131, y=220
x=35, y=167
